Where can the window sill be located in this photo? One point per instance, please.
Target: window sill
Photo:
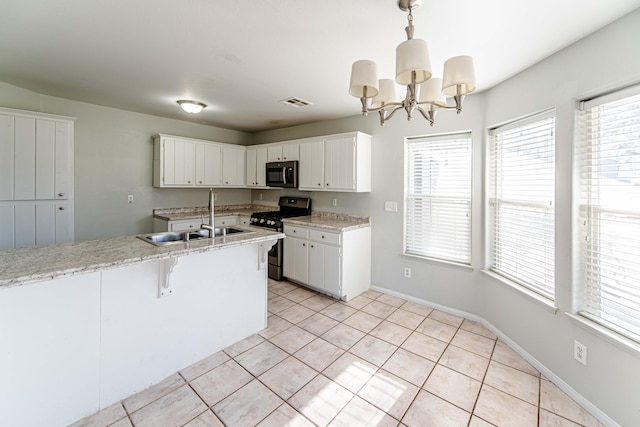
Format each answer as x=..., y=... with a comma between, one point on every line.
x=605, y=333
x=441, y=262
x=543, y=302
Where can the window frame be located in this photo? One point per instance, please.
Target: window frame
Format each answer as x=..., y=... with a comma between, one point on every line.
x=461, y=261
x=589, y=220
x=536, y=291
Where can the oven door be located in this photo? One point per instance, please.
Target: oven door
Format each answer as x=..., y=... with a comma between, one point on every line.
x=275, y=260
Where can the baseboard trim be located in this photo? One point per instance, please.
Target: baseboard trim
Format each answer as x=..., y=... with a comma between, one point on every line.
x=561, y=384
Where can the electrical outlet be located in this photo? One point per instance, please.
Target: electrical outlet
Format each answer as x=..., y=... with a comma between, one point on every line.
x=130, y=198
x=334, y=202
x=260, y=196
x=215, y=196
x=580, y=352
x=407, y=272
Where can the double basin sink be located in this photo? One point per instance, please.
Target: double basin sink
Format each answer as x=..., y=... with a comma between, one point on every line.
x=171, y=237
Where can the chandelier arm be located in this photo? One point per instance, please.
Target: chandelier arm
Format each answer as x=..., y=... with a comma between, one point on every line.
x=392, y=112
x=429, y=115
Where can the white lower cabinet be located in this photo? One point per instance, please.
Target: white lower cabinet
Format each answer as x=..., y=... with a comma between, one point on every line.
x=296, y=254
x=334, y=263
x=160, y=225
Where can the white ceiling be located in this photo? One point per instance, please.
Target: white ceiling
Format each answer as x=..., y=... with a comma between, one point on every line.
x=241, y=57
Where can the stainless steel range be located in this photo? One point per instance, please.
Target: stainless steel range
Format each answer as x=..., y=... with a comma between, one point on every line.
x=289, y=207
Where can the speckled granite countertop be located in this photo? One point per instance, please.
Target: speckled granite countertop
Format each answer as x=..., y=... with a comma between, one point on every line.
x=175, y=214
x=330, y=221
x=34, y=264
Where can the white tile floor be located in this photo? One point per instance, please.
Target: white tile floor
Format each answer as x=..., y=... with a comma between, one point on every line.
x=377, y=360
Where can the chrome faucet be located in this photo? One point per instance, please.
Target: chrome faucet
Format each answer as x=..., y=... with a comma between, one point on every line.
x=212, y=225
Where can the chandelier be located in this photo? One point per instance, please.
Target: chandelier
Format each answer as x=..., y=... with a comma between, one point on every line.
x=425, y=93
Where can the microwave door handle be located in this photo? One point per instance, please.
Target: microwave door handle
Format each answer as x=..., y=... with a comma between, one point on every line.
x=284, y=175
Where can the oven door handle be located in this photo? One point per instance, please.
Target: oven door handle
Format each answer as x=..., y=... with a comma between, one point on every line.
x=284, y=175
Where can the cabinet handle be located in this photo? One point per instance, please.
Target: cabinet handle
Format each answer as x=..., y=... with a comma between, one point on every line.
x=60, y=194
x=188, y=182
x=191, y=226
x=199, y=182
x=61, y=208
x=226, y=182
x=323, y=236
x=327, y=184
x=311, y=246
x=319, y=185
x=294, y=231
x=304, y=244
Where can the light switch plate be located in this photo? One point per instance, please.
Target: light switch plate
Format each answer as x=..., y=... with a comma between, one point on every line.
x=391, y=206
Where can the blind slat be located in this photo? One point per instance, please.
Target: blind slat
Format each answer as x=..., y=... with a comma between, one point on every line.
x=610, y=212
x=522, y=183
x=438, y=198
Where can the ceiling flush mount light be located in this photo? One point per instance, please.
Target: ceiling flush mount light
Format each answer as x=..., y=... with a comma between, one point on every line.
x=192, y=107
x=413, y=70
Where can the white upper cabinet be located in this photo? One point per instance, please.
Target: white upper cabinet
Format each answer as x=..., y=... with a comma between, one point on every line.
x=35, y=158
x=283, y=152
x=256, y=167
x=311, y=167
x=188, y=163
x=178, y=167
x=336, y=163
x=208, y=161
x=233, y=166
x=36, y=178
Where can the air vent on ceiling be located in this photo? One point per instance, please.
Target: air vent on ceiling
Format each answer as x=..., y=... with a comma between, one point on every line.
x=295, y=102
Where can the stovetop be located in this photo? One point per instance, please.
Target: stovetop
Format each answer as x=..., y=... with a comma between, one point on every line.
x=289, y=207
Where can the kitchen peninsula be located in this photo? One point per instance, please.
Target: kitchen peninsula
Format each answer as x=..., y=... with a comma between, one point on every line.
x=86, y=324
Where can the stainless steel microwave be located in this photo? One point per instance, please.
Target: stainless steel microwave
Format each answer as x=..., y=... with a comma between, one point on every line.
x=282, y=174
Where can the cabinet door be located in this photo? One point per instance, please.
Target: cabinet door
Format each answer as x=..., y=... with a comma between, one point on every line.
x=274, y=154
x=187, y=225
x=63, y=181
x=311, y=165
x=226, y=221
x=25, y=155
x=261, y=167
x=6, y=227
x=339, y=164
x=64, y=223
x=324, y=267
x=178, y=163
x=251, y=167
x=256, y=171
x=233, y=166
x=291, y=152
x=6, y=161
x=296, y=259
x=45, y=159
x=207, y=165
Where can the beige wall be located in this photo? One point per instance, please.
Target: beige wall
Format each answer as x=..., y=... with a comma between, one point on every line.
x=113, y=158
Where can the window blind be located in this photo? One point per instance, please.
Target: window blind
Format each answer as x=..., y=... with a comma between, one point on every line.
x=609, y=143
x=438, y=198
x=521, y=208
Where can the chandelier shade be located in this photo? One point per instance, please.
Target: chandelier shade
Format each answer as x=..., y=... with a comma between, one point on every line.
x=425, y=93
x=412, y=56
x=431, y=92
x=386, y=93
x=364, y=79
x=459, y=70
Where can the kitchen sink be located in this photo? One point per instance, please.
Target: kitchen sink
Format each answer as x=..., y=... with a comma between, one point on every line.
x=171, y=237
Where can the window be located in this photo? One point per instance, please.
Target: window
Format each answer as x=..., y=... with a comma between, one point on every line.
x=521, y=202
x=438, y=198
x=610, y=211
